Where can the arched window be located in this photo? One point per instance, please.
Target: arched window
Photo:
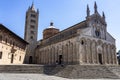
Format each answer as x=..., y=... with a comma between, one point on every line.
x=31, y=37
x=82, y=42
x=97, y=33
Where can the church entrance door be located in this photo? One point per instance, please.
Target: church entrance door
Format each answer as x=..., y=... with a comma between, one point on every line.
x=12, y=57
x=30, y=60
x=100, y=58
x=60, y=59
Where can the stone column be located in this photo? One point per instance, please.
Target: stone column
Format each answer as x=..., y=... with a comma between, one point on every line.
x=44, y=56
x=85, y=53
x=82, y=53
x=91, y=55
x=64, y=54
x=111, y=61
x=115, y=55
x=93, y=52
x=72, y=54
x=41, y=57
x=107, y=54
x=103, y=53
x=88, y=51
x=67, y=54
x=96, y=54
x=52, y=55
x=49, y=55
x=77, y=51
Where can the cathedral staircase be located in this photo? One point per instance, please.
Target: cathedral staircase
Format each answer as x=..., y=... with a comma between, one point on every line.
x=21, y=69
x=66, y=71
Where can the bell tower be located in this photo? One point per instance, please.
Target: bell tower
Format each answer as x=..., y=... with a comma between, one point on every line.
x=31, y=32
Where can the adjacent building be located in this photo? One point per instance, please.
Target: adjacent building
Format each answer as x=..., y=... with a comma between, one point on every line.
x=12, y=47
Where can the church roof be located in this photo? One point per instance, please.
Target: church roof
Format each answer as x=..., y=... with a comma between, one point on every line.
x=65, y=34
x=77, y=26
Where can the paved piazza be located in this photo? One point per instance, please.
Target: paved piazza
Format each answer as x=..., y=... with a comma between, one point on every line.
x=13, y=76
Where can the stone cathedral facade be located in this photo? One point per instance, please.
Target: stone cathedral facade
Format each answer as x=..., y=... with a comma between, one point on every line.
x=87, y=42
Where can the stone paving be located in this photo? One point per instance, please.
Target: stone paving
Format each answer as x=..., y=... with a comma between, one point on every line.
x=13, y=76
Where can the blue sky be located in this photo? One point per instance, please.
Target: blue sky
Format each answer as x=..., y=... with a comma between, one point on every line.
x=64, y=13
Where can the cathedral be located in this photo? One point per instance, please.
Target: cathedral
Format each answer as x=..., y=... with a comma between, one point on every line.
x=87, y=42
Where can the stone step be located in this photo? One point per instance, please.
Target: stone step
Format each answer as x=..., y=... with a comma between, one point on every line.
x=66, y=71
x=21, y=69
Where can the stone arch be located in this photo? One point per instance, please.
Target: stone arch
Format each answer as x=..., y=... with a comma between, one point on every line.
x=99, y=52
x=83, y=41
x=83, y=50
x=104, y=53
x=57, y=53
x=54, y=49
x=99, y=42
x=70, y=54
x=62, y=53
x=75, y=56
x=52, y=55
x=43, y=53
x=114, y=52
x=66, y=53
x=88, y=51
x=46, y=60
x=39, y=56
x=111, y=55
x=46, y=56
x=49, y=55
x=107, y=53
x=93, y=50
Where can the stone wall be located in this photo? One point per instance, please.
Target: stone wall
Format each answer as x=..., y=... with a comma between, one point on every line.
x=96, y=51
x=50, y=54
